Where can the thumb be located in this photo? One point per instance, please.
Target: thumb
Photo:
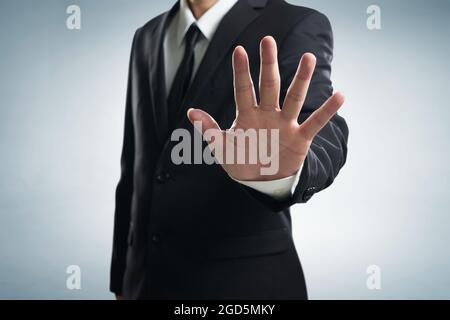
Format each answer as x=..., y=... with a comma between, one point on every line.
x=199, y=116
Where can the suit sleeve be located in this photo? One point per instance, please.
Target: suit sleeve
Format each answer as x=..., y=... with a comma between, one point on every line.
x=328, y=150
x=124, y=190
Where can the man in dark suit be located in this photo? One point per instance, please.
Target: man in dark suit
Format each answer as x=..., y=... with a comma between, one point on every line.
x=223, y=231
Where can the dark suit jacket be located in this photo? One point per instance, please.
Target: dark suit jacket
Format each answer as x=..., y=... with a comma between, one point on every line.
x=189, y=231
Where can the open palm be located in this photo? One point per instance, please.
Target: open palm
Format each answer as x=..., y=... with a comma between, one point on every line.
x=294, y=138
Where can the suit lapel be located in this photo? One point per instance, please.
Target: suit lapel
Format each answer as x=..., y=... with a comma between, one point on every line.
x=157, y=79
x=232, y=24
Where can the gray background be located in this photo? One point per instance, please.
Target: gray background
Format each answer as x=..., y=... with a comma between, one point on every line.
x=62, y=98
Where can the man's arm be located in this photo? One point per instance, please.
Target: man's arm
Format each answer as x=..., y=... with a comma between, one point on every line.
x=124, y=189
x=318, y=141
x=328, y=151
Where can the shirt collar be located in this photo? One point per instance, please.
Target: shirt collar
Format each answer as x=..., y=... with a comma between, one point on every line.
x=207, y=23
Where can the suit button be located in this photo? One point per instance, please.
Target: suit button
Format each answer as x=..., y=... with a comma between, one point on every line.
x=163, y=177
x=309, y=192
x=156, y=238
x=160, y=179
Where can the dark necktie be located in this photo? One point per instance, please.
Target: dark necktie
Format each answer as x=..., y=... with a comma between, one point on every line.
x=183, y=76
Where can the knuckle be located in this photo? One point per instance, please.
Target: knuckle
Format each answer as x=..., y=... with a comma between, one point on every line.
x=269, y=83
x=296, y=97
x=241, y=88
x=318, y=121
x=303, y=76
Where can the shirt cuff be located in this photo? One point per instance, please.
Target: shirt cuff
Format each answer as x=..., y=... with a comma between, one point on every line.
x=279, y=189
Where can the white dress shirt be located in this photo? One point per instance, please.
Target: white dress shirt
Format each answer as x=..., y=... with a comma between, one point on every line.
x=173, y=54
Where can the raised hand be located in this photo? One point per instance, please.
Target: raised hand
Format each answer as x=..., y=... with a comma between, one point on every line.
x=294, y=139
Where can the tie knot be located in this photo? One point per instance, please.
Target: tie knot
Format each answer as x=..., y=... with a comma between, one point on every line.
x=192, y=36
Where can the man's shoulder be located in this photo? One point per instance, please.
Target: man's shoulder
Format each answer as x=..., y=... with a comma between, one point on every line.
x=153, y=23
x=296, y=13
x=143, y=34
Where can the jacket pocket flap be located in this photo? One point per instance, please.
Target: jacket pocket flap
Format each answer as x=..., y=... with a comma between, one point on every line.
x=265, y=243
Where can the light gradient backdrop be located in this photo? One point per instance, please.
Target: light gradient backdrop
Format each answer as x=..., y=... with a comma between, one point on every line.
x=62, y=99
